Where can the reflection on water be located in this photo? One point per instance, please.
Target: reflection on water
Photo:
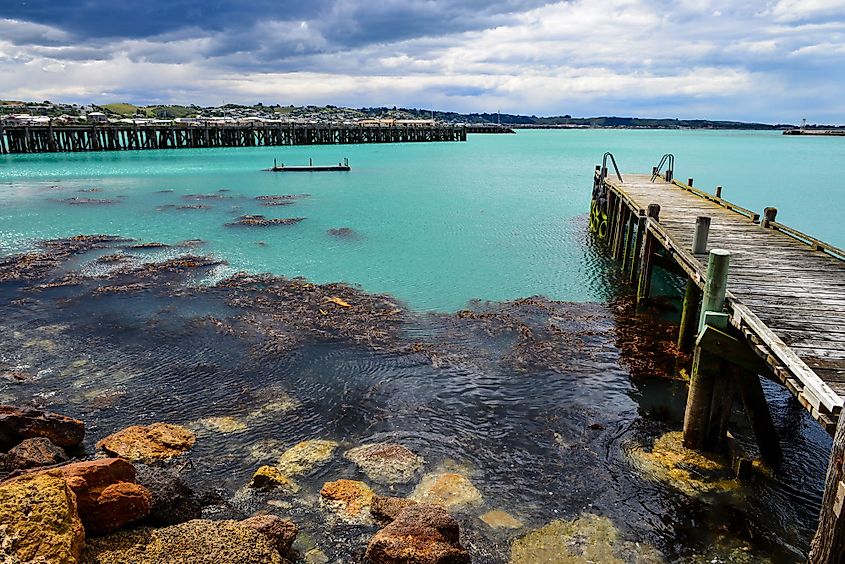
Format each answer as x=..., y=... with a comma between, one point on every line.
x=537, y=403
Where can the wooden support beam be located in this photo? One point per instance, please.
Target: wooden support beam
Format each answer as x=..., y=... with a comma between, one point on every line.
x=705, y=369
x=647, y=256
x=828, y=545
x=638, y=242
x=689, y=316
x=731, y=349
x=628, y=244
x=757, y=411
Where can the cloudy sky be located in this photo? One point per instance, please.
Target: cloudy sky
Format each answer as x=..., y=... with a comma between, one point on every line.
x=775, y=61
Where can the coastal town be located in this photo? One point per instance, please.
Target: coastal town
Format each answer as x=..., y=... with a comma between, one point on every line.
x=45, y=113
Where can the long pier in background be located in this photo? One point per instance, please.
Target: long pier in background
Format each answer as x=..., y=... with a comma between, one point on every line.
x=762, y=299
x=128, y=137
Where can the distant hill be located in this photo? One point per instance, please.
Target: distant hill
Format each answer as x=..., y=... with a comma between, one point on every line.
x=601, y=121
x=120, y=109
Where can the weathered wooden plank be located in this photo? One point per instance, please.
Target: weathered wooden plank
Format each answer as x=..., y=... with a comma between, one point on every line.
x=776, y=280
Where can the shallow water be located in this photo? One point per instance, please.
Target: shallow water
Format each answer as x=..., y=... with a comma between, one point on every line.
x=541, y=404
x=437, y=225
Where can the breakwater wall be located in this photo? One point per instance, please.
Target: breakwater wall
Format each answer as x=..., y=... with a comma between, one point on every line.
x=129, y=137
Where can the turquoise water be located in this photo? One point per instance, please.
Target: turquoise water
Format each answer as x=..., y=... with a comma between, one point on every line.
x=495, y=218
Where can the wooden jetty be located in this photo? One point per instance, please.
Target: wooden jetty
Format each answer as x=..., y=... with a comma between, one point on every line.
x=816, y=132
x=310, y=167
x=130, y=137
x=488, y=128
x=762, y=299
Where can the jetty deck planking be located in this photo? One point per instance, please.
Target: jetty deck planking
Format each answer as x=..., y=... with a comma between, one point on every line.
x=786, y=294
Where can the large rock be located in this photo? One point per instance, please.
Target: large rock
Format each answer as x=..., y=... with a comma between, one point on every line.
x=387, y=509
x=448, y=489
x=349, y=500
x=150, y=443
x=198, y=542
x=305, y=456
x=39, y=520
x=420, y=534
x=589, y=538
x=270, y=477
x=107, y=495
x=173, y=502
x=280, y=532
x=18, y=423
x=386, y=463
x=32, y=453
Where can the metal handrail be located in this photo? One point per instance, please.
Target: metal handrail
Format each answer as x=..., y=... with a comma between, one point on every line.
x=670, y=170
x=604, y=166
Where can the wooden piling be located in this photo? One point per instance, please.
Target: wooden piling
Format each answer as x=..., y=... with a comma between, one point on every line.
x=689, y=316
x=628, y=245
x=638, y=242
x=754, y=402
x=716, y=284
x=710, y=395
x=701, y=234
x=828, y=545
x=769, y=215
x=647, y=254
x=621, y=230
x=718, y=191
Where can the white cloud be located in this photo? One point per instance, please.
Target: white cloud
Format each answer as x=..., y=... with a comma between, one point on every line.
x=601, y=56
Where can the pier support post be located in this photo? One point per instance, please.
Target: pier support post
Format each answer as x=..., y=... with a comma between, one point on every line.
x=710, y=390
x=757, y=410
x=828, y=545
x=702, y=232
x=638, y=241
x=689, y=316
x=718, y=191
x=769, y=215
x=716, y=284
x=629, y=241
x=647, y=255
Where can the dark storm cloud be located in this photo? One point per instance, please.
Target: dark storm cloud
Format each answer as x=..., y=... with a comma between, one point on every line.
x=342, y=23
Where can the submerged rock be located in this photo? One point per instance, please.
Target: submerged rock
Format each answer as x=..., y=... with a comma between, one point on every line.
x=280, y=532
x=499, y=519
x=348, y=499
x=386, y=463
x=19, y=423
x=450, y=490
x=158, y=441
x=343, y=233
x=692, y=472
x=420, y=534
x=270, y=477
x=261, y=221
x=198, y=542
x=305, y=456
x=39, y=520
x=173, y=502
x=223, y=424
x=588, y=539
x=32, y=453
x=77, y=201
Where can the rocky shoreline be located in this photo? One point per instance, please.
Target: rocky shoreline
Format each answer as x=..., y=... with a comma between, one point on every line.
x=128, y=503
x=197, y=457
